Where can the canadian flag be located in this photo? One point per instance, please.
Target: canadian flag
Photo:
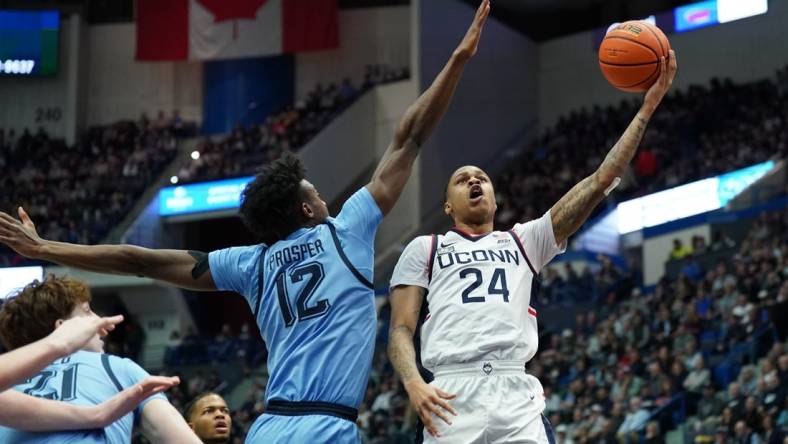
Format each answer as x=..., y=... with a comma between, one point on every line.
x=225, y=29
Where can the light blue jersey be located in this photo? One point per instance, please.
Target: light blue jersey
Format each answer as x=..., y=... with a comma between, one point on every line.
x=315, y=308
x=83, y=378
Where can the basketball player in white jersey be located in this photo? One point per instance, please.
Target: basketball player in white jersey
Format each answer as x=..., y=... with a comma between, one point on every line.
x=467, y=294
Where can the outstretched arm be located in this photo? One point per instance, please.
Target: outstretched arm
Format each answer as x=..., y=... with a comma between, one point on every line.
x=185, y=269
x=572, y=210
x=161, y=423
x=421, y=118
x=425, y=399
x=24, y=362
x=31, y=414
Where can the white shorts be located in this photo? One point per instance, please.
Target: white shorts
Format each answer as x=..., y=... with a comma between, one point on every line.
x=497, y=402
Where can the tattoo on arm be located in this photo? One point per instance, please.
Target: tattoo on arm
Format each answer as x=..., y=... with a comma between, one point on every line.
x=201, y=266
x=572, y=210
x=623, y=151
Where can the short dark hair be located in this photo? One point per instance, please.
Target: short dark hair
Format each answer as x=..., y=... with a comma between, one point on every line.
x=189, y=411
x=32, y=313
x=271, y=206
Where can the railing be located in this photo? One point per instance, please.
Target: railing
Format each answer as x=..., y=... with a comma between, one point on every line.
x=669, y=416
x=724, y=371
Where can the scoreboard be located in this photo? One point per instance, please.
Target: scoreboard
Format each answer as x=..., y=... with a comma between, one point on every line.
x=29, y=43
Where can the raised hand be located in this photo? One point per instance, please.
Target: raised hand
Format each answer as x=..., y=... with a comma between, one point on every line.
x=662, y=85
x=20, y=235
x=470, y=43
x=74, y=333
x=126, y=401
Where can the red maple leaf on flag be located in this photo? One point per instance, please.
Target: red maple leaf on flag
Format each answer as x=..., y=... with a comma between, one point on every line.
x=224, y=10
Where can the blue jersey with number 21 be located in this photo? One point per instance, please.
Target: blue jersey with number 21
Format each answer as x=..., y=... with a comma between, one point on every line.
x=312, y=297
x=83, y=378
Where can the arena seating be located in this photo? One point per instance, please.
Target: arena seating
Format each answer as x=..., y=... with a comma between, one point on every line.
x=85, y=190
x=78, y=193
x=697, y=133
x=247, y=148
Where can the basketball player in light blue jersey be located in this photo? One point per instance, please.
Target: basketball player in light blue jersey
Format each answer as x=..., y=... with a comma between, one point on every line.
x=85, y=378
x=309, y=283
x=25, y=412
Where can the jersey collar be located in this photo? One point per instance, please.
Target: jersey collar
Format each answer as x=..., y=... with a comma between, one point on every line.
x=297, y=233
x=469, y=236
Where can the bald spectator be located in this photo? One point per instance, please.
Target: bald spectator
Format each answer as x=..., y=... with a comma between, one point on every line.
x=635, y=419
x=698, y=378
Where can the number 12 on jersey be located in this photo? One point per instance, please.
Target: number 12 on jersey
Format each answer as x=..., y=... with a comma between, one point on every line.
x=497, y=285
x=313, y=273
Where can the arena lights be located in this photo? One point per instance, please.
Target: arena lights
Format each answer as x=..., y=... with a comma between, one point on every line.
x=687, y=200
x=195, y=155
x=730, y=10
x=714, y=12
x=15, y=278
x=202, y=197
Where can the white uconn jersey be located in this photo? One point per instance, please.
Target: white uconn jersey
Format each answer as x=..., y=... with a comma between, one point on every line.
x=478, y=291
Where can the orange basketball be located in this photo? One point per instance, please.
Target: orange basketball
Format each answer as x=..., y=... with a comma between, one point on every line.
x=629, y=55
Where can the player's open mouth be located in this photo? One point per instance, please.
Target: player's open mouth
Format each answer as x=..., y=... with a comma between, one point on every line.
x=476, y=193
x=221, y=427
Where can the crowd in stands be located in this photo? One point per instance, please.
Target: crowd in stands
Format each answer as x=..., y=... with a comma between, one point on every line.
x=684, y=342
x=699, y=247
x=78, y=193
x=696, y=133
x=246, y=346
x=247, y=148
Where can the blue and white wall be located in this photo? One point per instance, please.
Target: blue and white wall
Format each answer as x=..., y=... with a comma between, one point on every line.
x=744, y=50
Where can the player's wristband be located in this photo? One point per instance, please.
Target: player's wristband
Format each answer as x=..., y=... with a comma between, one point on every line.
x=613, y=185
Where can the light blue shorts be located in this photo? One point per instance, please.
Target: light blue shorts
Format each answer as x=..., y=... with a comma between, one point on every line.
x=308, y=429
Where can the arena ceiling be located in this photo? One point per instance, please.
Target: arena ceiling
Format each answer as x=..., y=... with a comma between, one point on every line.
x=538, y=19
